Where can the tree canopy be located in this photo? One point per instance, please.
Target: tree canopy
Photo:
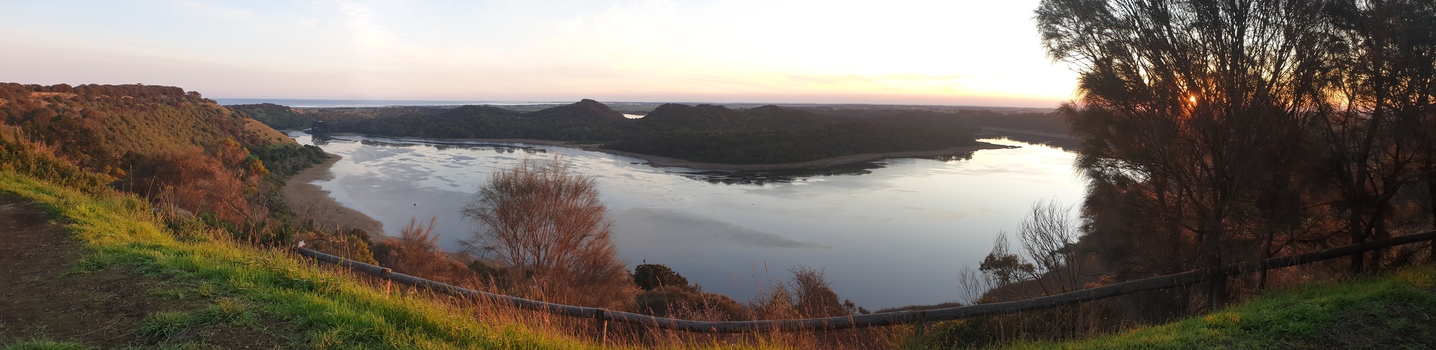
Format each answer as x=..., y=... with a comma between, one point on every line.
x=1219, y=131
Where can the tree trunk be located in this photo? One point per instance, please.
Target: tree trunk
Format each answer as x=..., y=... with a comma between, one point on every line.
x=1358, y=234
x=1217, y=282
x=1431, y=186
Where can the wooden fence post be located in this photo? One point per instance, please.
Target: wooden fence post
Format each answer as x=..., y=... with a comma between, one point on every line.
x=388, y=282
x=601, y=322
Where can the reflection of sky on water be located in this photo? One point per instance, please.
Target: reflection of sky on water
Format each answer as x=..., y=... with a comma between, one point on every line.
x=889, y=234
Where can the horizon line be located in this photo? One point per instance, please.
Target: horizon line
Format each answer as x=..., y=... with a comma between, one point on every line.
x=461, y=102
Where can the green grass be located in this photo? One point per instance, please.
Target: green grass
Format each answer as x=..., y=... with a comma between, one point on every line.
x=45, y=345
x=1393, y=311
x=321, y=308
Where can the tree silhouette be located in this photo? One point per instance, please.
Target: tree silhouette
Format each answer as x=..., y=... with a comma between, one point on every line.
x=1192, y=101
x=1379, y=124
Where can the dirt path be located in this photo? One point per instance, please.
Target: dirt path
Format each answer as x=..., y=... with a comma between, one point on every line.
x=42, y=299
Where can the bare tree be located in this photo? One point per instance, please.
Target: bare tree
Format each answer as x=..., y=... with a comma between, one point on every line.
x=1048, y=235
x=546, y=223
x=971, y=285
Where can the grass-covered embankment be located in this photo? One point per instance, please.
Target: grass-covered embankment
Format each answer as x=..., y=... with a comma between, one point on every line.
x=1390, y=311
x=240, y=285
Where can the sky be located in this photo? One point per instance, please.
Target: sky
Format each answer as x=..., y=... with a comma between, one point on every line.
x=941, y=52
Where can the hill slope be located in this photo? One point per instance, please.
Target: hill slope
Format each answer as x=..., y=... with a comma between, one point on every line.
x=194, y=288
x=174, y=147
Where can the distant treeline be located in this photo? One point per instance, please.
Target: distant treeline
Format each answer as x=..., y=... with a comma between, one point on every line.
x=276, y=116
x=1045, y=121
x=704, y=133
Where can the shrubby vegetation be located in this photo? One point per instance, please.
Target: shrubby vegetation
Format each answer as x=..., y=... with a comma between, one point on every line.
x=653, y=276
x=416, y=252
x=201, y=163
x=40, y=161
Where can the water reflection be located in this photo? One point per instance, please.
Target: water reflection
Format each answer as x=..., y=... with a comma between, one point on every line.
x=953, y=158
x=444, y=146
x=888, y=233
x=764, y=177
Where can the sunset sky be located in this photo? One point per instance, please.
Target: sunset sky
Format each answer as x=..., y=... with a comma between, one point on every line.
x=955, y=52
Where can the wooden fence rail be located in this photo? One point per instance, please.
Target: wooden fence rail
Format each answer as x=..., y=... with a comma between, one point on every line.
x=878, y=319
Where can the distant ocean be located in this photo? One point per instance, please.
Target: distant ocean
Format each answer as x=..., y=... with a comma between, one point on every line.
x=369, y=103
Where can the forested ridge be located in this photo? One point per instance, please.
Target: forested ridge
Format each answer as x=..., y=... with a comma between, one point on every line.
x=704, y=133
x=773, y=134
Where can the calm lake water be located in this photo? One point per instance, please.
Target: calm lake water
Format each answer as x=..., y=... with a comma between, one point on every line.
x=887, y=233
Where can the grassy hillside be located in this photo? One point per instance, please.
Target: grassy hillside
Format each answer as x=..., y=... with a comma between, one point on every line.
x=323, y=308
x=173, y=147
x=197, y=280
x=1393, y=311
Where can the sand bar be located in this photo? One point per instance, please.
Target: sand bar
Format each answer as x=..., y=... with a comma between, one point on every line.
x=308, y=201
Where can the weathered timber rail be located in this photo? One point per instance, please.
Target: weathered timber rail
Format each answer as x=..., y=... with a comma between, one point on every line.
x=879, y=319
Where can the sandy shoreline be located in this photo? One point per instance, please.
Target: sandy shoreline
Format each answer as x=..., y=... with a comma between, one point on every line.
x=308, y=201
x=661, y=161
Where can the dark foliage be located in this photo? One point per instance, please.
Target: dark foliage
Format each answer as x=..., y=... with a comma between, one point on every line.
x=275, y=116
x=651, y=276
x=286, y=159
